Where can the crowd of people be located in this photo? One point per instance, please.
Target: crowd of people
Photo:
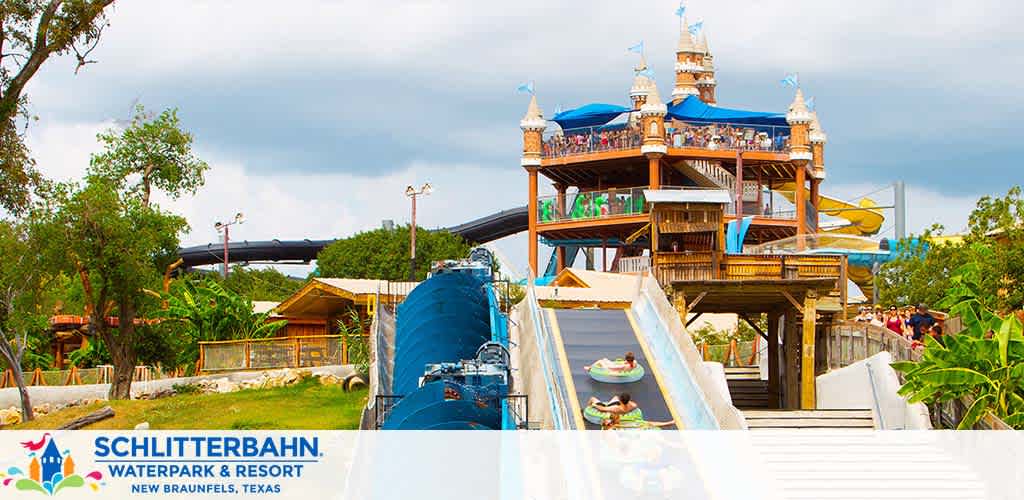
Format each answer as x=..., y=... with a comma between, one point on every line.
x=911, y=322
x=592, y=140
x=680, y=134
x=726, y=136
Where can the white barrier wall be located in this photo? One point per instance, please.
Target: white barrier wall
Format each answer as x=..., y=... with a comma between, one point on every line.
x=696, y=394
x=871, y=384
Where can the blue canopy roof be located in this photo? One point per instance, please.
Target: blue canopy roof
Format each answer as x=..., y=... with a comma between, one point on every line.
x=692, y=109
x=588, y=115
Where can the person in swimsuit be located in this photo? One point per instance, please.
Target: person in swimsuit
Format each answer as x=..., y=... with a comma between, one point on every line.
x=617, y=405
x=628, y=363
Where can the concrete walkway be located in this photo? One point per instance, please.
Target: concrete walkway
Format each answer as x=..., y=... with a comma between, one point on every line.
x=66, y=394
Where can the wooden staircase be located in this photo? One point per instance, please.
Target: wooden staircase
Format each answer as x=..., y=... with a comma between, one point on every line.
x=810, y=419
x=747, y=389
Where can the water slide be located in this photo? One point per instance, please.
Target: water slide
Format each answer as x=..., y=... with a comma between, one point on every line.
x=863, y=218
x=485, y=229
x=589, y=335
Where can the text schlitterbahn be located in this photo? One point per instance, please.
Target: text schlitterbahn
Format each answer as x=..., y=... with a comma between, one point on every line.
x=221, y=464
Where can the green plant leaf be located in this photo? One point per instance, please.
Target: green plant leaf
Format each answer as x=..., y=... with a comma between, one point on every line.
x=1016, y=420
x=975, y=412
x=904, y=366
x=954, y=376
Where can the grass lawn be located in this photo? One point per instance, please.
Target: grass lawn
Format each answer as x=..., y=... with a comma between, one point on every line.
x=306, y=405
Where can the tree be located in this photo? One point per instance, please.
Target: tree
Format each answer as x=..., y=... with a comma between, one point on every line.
x=21, y=283
x=262, y=284
x=153, y=152
x=30, y=32
x=995, y=242
x=119, y=247
x=384, y=254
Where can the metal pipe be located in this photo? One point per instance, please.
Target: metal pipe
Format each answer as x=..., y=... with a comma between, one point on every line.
x=900, y=205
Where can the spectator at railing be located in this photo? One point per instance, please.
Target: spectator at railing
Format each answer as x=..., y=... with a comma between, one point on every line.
x=713, y=136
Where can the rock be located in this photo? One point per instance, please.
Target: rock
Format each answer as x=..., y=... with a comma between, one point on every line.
x=10, y=416
x=329, y=379
x=142, y=427
x=290, y=377
x=224, y=385
x=353, y=382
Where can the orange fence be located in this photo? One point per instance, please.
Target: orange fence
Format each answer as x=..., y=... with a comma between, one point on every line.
x=102, y=374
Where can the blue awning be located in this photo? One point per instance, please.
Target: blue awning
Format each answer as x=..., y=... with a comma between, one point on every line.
x=589, y=115
x=692, y=109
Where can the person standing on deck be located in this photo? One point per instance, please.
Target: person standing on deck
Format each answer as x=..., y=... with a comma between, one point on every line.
x=920, y=322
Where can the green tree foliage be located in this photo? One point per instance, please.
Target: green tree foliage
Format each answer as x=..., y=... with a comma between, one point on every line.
x=921, y=271
x=984, y=362
x=384, y=254
x=262, y=284
x=153, y=152
x=30, y=32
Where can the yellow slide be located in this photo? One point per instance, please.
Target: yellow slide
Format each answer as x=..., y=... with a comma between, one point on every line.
x=866, y=221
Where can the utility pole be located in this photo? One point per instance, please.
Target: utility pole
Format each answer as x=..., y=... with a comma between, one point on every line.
x=412, y=193
x=223, y=226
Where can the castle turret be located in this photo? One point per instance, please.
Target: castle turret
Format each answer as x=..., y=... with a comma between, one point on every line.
x=689, y=65
x=706, y=83
x=52, y=462
x=799, y=119
x=641, y=85
x=533, y=126
x=652, y=120
x=817, y=138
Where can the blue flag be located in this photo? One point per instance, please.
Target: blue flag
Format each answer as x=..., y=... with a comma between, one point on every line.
x=695, y=27
x=681, y=10
x=646, y=72
x=792, y=79
x=525, y=88
x=638, y=48
x=810, y=103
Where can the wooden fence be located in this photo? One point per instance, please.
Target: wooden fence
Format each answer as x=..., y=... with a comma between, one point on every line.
x=102, y=374
x=276, y=352
x=732, y=354
x=849, y=342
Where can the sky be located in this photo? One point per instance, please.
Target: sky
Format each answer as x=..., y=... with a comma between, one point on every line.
x=315, y=115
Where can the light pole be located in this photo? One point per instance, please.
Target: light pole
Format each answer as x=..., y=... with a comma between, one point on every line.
x=223, y=226
x=411, y=192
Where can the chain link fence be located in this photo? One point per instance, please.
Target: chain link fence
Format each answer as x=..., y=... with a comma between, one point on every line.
x=260, y=354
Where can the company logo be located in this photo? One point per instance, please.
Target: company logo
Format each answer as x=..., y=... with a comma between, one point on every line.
x=50, y=470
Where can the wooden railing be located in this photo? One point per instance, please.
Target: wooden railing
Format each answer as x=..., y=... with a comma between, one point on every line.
x=634, y=265
x=669, y=267
x=849, y=342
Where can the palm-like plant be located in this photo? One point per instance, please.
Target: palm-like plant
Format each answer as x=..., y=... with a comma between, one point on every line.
x=985, y=361
x=212, y=312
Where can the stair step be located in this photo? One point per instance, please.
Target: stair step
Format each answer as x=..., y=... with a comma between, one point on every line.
x=809, y=414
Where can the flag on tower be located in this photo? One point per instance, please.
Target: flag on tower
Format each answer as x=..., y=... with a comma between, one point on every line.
x=638, y=48
x=681, y=10
x=558, y=109
x=696, y=27
x=525, y=88
x=792, y=79
x=810, y=103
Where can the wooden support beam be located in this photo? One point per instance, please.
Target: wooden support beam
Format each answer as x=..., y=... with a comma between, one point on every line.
x=807, y=376
x=694, y=318
x=791, y=355
x=754, y=326
x=697, y=300
x=773, y=359
x=797, y=305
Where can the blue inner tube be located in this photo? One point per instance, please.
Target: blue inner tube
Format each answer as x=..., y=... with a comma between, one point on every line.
x=616, y=377
x=597, y=417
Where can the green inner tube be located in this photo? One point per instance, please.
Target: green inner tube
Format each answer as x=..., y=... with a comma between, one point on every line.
x=605, y=375
x=597, y=417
